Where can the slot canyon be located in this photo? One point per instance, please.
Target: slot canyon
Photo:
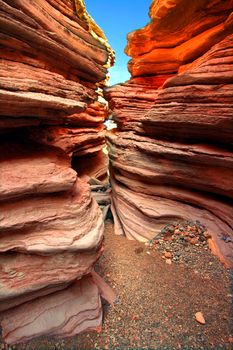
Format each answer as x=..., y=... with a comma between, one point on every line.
x=75, y=197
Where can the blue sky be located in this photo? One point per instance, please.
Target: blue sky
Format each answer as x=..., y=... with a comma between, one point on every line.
x=117, y=18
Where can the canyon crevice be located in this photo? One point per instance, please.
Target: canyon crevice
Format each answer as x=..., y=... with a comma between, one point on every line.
x=170, y=156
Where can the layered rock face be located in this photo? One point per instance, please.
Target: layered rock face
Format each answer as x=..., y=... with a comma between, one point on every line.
x=53, y=59
x=171, y=156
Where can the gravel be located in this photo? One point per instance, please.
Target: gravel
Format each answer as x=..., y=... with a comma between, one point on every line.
x=183, y=243
x=157, y=301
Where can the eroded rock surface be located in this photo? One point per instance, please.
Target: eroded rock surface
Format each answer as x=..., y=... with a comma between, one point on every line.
x=54, y=58
x=178, y=34
x=171, y=156
x=64, y=313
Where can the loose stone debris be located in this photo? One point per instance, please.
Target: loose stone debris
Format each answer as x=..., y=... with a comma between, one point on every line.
x=177, y=241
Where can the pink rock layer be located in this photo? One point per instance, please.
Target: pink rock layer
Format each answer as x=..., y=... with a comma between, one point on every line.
x=62, y=314
x=24, y=276
x=50, y=224
x=29, y=168
x=51, y=229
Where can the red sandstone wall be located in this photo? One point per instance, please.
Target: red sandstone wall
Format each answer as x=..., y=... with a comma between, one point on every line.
x=171, y=156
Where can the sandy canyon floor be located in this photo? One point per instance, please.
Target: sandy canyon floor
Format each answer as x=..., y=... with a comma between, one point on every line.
x=156, y=302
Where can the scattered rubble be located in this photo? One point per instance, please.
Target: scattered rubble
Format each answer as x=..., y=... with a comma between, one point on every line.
x=177, y=241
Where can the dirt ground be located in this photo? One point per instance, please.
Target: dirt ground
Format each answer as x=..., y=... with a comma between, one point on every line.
x=156, y=302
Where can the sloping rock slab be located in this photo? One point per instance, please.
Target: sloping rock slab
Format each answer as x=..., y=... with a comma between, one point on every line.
x=194, y=166
x=72, y=140
x=52, y=223
x=24, y=276
x=143, y=216
x=197, y=104
x=32, y=168
x=61, y=314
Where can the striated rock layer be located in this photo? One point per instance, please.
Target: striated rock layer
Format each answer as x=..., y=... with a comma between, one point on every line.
x=54, y=58
x=68, y=312
x=171, y=157
x=178, y=34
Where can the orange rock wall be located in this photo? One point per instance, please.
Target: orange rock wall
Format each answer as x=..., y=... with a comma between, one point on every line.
x=180, y=31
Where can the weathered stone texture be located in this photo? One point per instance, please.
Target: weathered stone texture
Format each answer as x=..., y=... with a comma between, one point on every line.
x=53, y=59
x=171, y=157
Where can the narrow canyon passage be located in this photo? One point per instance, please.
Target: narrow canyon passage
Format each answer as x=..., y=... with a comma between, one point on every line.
x=162, y=178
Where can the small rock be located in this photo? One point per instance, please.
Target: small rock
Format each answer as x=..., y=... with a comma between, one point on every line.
x=199, y=317
x=191, y=235
x=168, y=255
x=135, y=317
x=206, y=234
x=194, y=240
x=168, y=261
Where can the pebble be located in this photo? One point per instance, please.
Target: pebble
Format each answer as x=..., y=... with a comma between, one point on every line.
x=140, y=293
x=168, y=261
x=206, y=234
x=194, y=240
x=168, y=255
x=135, y=317
x=199, y=317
